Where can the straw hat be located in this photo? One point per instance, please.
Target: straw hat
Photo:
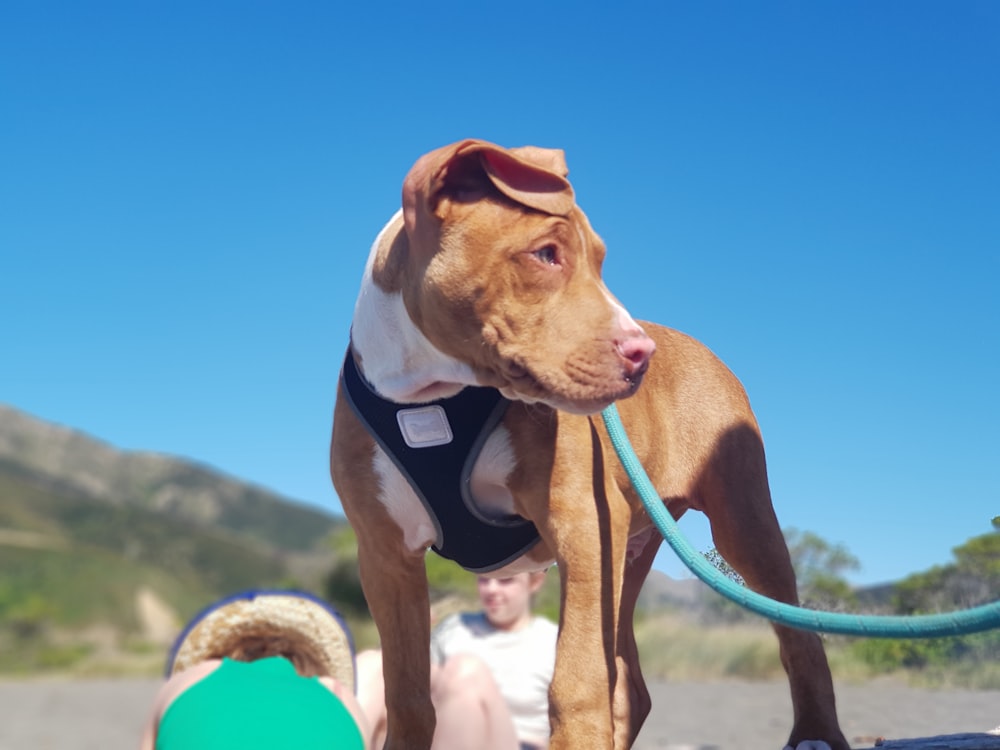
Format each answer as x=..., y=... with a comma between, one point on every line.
x=312, y=625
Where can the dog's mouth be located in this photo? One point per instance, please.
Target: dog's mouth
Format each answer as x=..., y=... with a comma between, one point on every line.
x=436, y=391
x=578, y=388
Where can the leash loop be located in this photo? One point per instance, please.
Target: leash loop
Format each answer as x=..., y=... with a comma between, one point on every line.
x=963, y=622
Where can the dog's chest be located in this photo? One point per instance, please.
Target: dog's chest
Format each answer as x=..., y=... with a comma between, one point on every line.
x=443, y=469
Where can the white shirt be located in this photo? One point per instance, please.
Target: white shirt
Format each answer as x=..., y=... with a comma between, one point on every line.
x=521, y=661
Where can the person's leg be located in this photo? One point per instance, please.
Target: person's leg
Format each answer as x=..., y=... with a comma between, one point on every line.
x=471, y=713
x=371, y=696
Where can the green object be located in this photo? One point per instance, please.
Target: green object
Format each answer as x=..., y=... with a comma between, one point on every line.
x=261, y=705
x=966, y=621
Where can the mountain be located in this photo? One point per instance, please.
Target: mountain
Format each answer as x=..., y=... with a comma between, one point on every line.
x=70, y=461
x=660, y=591
x=105, y=551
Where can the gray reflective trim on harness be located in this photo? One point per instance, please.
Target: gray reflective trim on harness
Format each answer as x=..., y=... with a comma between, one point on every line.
x=435, y=446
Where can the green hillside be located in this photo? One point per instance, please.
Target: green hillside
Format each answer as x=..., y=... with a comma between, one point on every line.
x=104, y=554
x=80, y=544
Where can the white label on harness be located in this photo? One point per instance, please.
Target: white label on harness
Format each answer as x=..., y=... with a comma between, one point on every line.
x=424, y=427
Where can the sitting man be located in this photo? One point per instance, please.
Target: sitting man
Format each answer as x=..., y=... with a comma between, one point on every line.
x=490, y=673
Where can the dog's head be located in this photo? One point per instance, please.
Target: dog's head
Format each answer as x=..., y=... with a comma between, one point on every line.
x=502, y=271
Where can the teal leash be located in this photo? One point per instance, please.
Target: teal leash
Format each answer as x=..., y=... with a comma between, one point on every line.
x=967, y=621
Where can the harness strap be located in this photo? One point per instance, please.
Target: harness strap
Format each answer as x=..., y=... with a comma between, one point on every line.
x=435, y=446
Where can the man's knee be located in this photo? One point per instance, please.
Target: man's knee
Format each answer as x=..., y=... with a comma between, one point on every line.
x=466, y=673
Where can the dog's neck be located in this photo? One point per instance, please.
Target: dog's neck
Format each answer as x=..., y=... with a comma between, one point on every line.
x=394, y=356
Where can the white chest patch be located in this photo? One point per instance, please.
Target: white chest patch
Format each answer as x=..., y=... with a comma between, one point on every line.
x=405, y=508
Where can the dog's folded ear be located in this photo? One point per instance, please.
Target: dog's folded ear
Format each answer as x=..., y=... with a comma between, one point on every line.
x=465, y=171
x=533, y=177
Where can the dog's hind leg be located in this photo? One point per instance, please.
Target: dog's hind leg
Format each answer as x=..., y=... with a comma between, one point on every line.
x=734, y=493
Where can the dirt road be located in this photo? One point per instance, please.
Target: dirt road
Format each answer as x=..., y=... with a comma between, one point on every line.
x=108, y=714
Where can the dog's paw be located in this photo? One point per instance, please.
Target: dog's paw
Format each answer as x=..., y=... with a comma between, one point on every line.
x=809, y=745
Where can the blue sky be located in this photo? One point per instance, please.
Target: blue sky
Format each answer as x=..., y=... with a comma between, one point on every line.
x=188, y=191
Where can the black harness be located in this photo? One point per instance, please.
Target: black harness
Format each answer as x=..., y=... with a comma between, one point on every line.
x=435, y=446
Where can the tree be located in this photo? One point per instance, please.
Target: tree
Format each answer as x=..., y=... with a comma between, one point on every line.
x=819, y=568
x=974, y=578
x=342, y=583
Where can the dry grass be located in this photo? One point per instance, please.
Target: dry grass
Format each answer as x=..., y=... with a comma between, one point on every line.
x=671, y=647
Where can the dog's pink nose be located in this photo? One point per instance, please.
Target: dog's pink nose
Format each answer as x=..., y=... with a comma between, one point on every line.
x=636, y=349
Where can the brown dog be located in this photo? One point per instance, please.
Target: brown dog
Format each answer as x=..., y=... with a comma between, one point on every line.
x=488, y=283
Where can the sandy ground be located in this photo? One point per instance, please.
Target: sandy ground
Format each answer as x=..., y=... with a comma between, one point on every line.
x=108, y=714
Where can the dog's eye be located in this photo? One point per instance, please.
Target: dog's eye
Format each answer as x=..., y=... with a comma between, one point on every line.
x=547, y=255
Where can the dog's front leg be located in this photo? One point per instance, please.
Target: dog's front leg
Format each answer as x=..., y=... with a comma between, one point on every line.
x=395, y=585
x=580, y=693
x=631, y=699
x=586, y=526
x=393, y=578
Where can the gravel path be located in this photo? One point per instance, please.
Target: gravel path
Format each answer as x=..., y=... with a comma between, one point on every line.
x=108, y=714
x=757, y=716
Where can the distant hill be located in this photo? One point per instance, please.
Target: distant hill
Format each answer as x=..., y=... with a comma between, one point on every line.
x=102, y=548
x=660, y=591
x=69, y=461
